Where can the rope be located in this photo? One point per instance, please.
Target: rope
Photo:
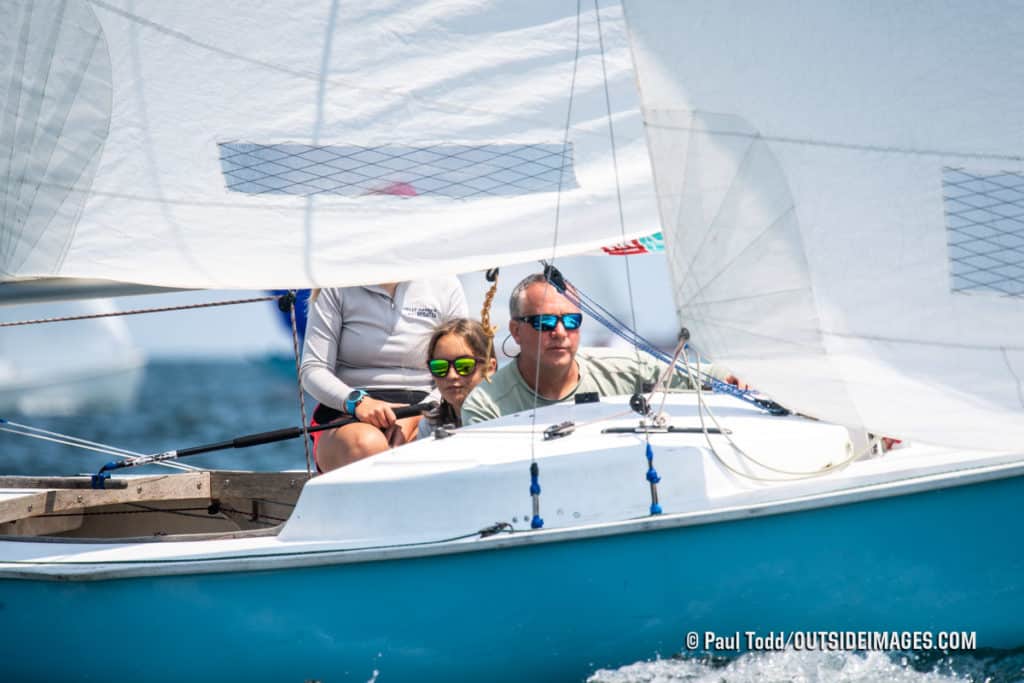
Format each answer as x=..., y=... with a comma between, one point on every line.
x=791, y=475
x=662, y=382
x=137, y=311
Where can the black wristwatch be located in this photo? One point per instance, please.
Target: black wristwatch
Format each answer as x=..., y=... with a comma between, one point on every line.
x=353, y=400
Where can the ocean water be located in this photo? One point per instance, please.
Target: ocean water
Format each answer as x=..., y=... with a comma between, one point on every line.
x=186, y=403
x=181, y=403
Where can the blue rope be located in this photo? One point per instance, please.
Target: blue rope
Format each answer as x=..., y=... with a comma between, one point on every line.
x=653, y=478
x=595, y=310
x=536, y=522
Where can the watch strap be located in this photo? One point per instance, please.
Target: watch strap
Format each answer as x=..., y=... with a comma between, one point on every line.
x=353, y=400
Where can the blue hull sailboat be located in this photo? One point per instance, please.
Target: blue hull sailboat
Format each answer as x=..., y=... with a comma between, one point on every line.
x=885, y=548
x=840, y=194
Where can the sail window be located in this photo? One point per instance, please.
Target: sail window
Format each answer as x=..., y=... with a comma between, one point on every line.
x=444, y=170
x=985, y=230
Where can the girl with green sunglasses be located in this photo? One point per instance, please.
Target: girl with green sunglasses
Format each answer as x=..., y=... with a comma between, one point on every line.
x=460, y=355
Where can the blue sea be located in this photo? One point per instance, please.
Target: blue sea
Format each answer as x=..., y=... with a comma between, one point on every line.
x=181, y=403
x=185, y=403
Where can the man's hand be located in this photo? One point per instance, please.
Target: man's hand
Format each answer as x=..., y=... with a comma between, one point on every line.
x=736, y=382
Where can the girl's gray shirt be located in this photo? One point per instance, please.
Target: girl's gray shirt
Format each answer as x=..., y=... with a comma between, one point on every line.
x=360, y=337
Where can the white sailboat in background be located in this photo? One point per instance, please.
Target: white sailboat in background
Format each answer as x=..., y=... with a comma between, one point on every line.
x=70, y=367
x=807, y=220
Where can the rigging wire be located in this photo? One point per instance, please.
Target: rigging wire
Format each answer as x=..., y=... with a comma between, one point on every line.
x=114, y=314
x=558, y=210
x=76, y=442
x=618, y=184
x=600, y=314
x=622, y=232
x=535, y=489
x=81, y=443
x=663, y=380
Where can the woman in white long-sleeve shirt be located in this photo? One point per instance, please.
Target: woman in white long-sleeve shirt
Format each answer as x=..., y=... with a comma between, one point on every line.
x=363, y=356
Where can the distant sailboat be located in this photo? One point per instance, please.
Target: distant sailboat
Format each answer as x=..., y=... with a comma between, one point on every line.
x=66, y=368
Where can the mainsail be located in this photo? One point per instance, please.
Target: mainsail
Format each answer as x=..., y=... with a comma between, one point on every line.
x=254, y=145
x=842, y=191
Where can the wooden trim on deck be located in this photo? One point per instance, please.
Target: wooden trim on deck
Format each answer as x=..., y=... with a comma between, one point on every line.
x=72, y=497
x=245, y=495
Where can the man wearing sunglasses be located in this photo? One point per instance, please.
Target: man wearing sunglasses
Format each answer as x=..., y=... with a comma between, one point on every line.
x=550, y=367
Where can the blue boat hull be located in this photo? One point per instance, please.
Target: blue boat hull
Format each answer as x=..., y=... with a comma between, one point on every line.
x=934, y=561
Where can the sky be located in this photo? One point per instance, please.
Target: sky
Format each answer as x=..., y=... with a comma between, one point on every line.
x=242, y=331
x=252, y=330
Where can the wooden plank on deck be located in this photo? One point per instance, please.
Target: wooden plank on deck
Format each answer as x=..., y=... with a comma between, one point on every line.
x=25, y=502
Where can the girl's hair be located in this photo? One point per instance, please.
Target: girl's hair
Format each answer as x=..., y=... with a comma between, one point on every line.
x=471, y=331
x=480, y=343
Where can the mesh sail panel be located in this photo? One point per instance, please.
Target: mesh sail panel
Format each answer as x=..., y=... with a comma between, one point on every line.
x=444, y=170
x=985, y=223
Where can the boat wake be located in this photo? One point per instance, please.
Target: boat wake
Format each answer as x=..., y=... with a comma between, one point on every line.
x=990, y=666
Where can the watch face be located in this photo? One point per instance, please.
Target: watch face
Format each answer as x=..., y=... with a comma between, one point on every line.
x=353, y=400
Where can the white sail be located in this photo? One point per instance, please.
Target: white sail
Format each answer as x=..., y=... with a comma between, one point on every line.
x=251, y=145
x=842, y=190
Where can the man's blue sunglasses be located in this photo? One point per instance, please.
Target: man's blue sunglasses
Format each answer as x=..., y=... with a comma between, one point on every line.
x=546, y=322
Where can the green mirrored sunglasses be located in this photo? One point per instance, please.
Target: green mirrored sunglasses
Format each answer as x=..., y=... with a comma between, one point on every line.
x=464, y=365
